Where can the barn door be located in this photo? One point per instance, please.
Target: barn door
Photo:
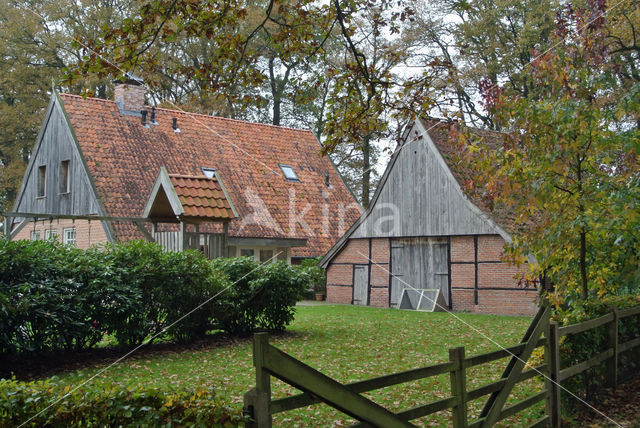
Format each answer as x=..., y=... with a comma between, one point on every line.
x=420, y=263
x=361, y=285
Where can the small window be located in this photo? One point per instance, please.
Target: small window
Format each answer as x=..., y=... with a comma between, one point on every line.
x=35, y=235
x=266, y=255
x=246, y=252
x=64, y=176
x=42, y=177
x=69, y=236
x=208, y=172
x=289, y=173
x=51, y=234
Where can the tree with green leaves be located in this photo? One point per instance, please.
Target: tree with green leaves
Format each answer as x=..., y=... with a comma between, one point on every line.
x=567, y=168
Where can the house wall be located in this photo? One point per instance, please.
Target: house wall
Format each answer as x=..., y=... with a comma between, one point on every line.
x=87, y=233
x=480, y=281
x=56, y=144
x=375, y=253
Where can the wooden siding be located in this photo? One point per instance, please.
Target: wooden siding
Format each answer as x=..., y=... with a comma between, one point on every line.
x=420, y=197
x=211, y=244
x=419, y=263
x=56, y=145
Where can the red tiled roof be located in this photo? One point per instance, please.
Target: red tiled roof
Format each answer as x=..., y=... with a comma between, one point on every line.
x=202, y=197
x=124, y=158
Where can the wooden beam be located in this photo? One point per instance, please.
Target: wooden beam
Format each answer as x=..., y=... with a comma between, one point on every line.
x=305, y=378
x=496, y=405
x=74, y=217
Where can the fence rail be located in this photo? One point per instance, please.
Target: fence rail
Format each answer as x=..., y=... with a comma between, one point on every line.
x=319, y=388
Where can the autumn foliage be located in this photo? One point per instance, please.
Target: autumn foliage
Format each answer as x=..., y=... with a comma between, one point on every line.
x=567, y=164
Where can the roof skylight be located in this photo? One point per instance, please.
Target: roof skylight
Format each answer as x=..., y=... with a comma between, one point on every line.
x=289, y=173
x=208, y=172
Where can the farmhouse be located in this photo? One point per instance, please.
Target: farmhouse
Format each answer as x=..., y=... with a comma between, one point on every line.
x=114, y=171
x=422, y=231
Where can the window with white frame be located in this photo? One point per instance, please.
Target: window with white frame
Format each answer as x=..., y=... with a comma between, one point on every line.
x=50, y=234
x=247, y=252
x=69, y=236
x=35, y=235
x=266, y=256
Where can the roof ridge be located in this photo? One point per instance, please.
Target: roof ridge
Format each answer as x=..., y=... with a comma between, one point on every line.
x=188, y=113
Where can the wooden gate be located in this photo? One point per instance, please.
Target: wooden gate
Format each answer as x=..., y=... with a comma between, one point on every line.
x=317, y=387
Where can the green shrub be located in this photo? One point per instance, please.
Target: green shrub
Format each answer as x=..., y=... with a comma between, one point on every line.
x=167, y=285
x=52, y=296
x=263, y=296
x=114, y=406
x=317, y=281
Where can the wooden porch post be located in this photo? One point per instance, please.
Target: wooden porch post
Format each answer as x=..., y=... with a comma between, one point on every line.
x=225, y=239
x=182, y=236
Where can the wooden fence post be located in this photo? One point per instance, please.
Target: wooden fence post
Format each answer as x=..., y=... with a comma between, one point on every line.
x=553, y=382
x=257, y=401
x=612, y=364
x=459, y=387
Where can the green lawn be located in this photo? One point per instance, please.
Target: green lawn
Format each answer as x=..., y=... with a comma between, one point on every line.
x=348, y=343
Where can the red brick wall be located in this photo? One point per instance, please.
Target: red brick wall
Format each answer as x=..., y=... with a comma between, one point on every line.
x=492, y=272
x=490, y=247
x=380, y=250
x=337, y=294
x=379, y=297
x=340, y=271
x=507, y=302
x=340, y=275
x=356, y=251
x=87, y=234
x=462, y=300
x=461, y=249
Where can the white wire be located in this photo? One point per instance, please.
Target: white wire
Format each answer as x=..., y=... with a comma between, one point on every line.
x=164, y=330
x=481, y=333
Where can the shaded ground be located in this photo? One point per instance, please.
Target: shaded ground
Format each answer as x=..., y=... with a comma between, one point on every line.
x=622, y=405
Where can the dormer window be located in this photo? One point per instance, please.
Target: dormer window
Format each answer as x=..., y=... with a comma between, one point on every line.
x=64, y=176
x=289, y=173
x=42, y=180
x=208, y=172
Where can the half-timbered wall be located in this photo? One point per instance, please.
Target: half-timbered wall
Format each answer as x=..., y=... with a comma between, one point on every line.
x=473, y=277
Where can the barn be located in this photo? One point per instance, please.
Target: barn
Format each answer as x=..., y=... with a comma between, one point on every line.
x=423, y=231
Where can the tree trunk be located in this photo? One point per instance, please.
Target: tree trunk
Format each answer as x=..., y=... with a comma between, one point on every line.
x=583, y=263
x=366, y=170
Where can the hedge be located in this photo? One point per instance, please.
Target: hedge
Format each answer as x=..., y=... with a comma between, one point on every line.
x=110, y=406
x=55, y=297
